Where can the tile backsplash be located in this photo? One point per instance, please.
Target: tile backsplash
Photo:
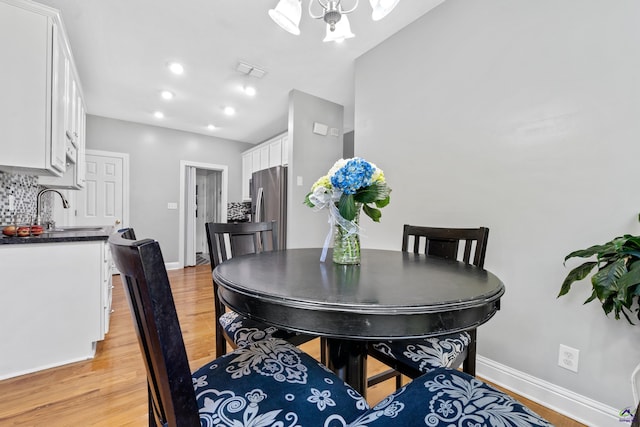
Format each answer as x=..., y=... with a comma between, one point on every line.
x=24, y=189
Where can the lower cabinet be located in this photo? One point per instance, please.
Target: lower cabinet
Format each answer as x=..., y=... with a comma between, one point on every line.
x=55, y=303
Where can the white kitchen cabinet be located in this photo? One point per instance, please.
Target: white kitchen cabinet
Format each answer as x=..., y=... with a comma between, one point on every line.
x=285, y=149
x=54, y=303
x=264, y=157
x=270, y=153
x=275, y=153
x=81, y=162
x=247, y=159
x=70, y=128
x=255, y=160
x=34, y=52
x=74, y=178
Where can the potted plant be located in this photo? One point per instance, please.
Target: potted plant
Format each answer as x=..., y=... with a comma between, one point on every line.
x=616, y=284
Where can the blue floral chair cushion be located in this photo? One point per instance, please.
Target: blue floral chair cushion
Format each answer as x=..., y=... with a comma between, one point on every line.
x=426, y=354
x=273, y=383
x=449, y=398
x=243, y=331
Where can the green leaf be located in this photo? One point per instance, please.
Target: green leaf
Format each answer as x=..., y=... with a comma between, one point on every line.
x=633, y=241
x=376, y=191
x=372, y=213
x=384, y=202
x=586, y=253
x=578, y=273
x=307, y=201
x=605, y=281
x=347, y=207
x=631, y=278
x=591, y=298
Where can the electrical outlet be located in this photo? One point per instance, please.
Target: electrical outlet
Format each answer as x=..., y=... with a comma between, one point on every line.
x=568, y=358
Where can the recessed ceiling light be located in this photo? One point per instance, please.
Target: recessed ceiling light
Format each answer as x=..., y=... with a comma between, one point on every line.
x=229, y=111
x=158, y=114
x=249, y=90
x=211, y=127
x=176, y=68
x=165, y=94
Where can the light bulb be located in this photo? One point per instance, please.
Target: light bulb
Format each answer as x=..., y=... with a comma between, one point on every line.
x=176, y=68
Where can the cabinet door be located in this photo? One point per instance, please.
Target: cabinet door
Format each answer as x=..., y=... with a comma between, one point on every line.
x=60, y=79
x=25, y=87
x=82, y=144
x=264, y=157
x=246, y=175
x=275, y=152
x=255, y=160
x=285, y=149
x=72, y=111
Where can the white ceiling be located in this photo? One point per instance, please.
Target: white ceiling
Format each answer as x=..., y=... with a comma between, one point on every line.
x=121, y=48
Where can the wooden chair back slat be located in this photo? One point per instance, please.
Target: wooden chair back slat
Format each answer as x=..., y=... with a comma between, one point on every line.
x=172, y=400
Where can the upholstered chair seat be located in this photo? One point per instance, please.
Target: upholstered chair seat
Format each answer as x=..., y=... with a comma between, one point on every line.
x=427, y=354
x=242, y=331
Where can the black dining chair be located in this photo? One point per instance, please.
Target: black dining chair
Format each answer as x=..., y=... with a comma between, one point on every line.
x=227, y=240
x=272, y=382
x=417, y=356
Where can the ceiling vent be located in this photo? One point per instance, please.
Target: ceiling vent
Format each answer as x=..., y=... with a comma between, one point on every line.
x=250, y=70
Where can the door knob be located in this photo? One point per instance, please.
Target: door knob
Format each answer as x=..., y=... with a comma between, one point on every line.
x=117, y=222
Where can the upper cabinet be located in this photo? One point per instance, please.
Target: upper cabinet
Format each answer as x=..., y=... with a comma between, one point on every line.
x=273, y=152
x=39, y=108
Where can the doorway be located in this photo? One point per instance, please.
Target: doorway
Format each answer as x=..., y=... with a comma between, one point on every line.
x=105, y=198
x=208, y=207
x=203, y=197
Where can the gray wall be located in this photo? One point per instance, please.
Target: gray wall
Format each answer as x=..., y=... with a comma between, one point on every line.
x=310, y=157
x=155, y=155
x=521, y=116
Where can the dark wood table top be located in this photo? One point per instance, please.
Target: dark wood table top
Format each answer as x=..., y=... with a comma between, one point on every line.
x=391, y=294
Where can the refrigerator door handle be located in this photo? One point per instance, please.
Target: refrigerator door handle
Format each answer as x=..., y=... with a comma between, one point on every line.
x=259, y=202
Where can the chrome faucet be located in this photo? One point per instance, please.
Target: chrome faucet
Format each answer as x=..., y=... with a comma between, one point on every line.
x=65, y=203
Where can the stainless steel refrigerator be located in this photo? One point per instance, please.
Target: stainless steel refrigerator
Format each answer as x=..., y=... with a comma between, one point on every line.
x=269, y=199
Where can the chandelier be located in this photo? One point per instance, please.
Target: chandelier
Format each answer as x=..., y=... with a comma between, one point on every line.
x=287, y=14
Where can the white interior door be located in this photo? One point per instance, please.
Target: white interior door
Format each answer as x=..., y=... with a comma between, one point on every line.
x=104, y=200
x=201, y=212
x=190, y=258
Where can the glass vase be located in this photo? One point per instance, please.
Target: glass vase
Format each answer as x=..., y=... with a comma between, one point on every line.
x=346, y=243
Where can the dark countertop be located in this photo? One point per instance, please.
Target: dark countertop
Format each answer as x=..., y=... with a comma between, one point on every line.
x=62, y=235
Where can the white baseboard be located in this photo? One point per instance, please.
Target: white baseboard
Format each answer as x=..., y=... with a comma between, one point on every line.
x=561, y=400
x=172, y=265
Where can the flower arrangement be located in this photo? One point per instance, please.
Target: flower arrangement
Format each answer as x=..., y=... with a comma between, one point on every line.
x=349, y=185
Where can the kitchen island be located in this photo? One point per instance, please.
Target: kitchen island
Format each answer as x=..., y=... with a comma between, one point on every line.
x=55, y=298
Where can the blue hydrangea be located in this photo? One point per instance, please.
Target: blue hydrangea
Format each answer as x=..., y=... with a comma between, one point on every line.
x=354, y=175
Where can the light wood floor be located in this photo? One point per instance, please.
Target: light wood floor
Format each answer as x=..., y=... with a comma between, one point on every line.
x=110, y=390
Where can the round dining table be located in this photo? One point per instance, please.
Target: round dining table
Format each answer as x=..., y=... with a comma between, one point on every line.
x=389, y=295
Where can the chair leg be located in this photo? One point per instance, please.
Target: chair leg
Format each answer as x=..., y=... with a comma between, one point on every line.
x=469, y=364
x=323, y=351
x=152, y=415
x=398, y=381
x=221, y=342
